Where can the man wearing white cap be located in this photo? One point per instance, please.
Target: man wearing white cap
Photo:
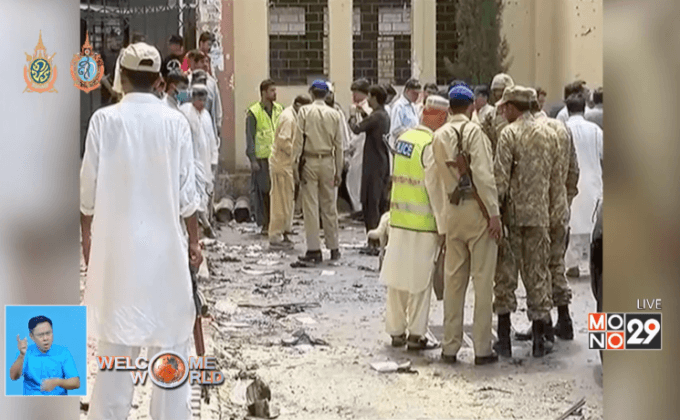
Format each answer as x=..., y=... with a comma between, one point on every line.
x=493, y=122
x=467, y=213
x=205, y=146
x=413, y=239
x=137, y=175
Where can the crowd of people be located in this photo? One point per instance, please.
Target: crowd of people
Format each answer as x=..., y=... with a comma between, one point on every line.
x=484, y=176
x=408, y=165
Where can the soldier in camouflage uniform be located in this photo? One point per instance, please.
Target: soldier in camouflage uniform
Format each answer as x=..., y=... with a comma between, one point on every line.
x=559, y=221
x=493, y=122
x=527, y=174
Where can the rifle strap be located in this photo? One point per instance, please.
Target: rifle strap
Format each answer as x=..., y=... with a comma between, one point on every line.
x=476, y=196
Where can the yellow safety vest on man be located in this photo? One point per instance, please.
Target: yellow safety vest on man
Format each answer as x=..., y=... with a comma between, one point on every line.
x=410, y=204
x=266, y=127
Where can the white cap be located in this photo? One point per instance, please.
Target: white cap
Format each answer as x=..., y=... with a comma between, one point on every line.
x=436, y=102
x=199, y=87
x=141, y=57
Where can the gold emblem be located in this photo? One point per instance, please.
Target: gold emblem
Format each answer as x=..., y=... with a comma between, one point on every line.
x=40, y=73
x=87, y=68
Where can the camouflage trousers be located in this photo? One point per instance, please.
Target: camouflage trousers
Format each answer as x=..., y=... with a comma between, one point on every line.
x=561, y=292
x=526, y=251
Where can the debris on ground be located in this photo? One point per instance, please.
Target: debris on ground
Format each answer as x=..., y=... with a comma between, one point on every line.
x=305, y=320
x=327, y=273
x=251, y=272
x=282, y=311
x=391, y=366
x=300, y=337
x=490, y=388
x=274, y=305
x=258, y=397
x=574, y=409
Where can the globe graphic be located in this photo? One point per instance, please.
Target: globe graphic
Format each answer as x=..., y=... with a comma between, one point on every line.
x=168, y=370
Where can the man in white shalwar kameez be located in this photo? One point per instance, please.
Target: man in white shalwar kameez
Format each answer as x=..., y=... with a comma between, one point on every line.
x=137, y=176
x=356, y=144
x=589, y=148
x=205, y=146
x=176, y=93
x=413, y=238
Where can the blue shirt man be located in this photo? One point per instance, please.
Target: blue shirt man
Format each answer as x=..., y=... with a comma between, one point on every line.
x=404, y=113
x=47, y=369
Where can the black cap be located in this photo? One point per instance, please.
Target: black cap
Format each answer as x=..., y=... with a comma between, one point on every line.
x=361, y=85
x=176, y=39
x=413, y=84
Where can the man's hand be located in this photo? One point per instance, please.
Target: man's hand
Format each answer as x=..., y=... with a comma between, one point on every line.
x=442, y=241
x=495, y=228
x=254, y=166
x=195, y=255
x=337, y=181
x=48, y=385
x=22, y=345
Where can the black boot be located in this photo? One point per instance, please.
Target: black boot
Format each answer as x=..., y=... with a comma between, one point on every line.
x=564, y=328
x=312, y=256
x=548, y=330
x=541, y=345
x=538, y=340
x=503, y=346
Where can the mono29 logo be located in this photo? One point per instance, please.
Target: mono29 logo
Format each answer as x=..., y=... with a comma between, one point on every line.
x=624, y=331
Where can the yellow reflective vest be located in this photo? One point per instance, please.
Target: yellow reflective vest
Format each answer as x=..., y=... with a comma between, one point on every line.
x=266, y=127
x=410, y=204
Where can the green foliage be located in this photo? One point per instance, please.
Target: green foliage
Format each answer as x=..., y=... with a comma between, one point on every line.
x=481, y=52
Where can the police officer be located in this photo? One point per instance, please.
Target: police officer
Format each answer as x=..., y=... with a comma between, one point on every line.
x=493, y=122
x=472, y=227
x=318, y=142
x=413, y=239
x=526, y=174
x=261, y=122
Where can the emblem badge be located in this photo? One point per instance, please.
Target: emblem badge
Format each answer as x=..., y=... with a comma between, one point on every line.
x=87, y=68
x=40, y=73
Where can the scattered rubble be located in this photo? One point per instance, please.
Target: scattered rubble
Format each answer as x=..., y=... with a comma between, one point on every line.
x=300, y=337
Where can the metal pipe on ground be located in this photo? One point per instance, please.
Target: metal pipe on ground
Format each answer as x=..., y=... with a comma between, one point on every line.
x=242, y=209
x=224, y=210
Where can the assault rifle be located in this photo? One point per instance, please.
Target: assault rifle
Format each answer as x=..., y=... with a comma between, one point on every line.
x=466, y=186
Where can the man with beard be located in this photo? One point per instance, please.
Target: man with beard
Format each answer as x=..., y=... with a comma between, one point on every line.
x=261, y=122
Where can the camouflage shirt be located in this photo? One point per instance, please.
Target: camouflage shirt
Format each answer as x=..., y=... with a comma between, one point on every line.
x=492, y=125
x=568, y=174
x=526, y=172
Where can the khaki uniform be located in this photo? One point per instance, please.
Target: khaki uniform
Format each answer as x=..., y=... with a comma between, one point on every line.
x=323, y=161
x=470, y=251
x=559, y=213
x=282, y=191
x=493, y=123
x=527, y=175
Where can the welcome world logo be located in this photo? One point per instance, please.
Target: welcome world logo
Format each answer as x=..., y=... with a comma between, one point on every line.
x=166, y=369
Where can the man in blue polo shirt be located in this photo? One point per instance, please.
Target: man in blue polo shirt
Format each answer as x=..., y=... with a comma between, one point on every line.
x=46, y=369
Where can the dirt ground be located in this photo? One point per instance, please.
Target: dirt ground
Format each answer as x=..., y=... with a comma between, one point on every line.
x=343, y=304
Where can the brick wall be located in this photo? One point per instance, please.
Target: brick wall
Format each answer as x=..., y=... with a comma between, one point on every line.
x=446, y=37
x=394, y=31
x=296, y=50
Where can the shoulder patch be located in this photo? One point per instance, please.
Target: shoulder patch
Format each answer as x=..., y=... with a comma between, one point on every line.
x=404, y=148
